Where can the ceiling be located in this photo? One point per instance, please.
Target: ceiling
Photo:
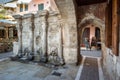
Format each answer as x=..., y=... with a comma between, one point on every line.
x=88, y=2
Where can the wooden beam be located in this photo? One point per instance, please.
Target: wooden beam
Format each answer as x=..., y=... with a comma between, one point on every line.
x=115, y=27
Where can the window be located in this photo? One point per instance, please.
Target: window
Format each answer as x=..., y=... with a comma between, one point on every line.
x=97, y=33
x=21, y=7
x=26, y=7
x=40, y=6
x=2, y=33
x=15, y=33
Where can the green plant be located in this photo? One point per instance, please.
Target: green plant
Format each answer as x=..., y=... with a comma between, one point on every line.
x=3, y=11
x=2, y=16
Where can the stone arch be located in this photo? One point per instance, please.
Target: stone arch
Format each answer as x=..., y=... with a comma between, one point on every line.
x=94, y=21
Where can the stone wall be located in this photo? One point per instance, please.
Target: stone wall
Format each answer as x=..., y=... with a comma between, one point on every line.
x=111, y=64
x=54, y=34
x=50, y=32
x=98, y=10
x=111, y=57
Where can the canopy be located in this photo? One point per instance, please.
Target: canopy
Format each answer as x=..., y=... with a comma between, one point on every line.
x=12, y=5
x=4, y=1
x=23, y=1
x=4, y=22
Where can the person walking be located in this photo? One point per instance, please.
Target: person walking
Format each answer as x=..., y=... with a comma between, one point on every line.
x=86, y=42
x=93, y=43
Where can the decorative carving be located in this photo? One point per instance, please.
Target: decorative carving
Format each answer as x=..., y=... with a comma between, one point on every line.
x=53, y=29
x=39, y=51
x=41, y=56
x=38, y=39
x=53, y=57
x=27, y=54
x=39, y=34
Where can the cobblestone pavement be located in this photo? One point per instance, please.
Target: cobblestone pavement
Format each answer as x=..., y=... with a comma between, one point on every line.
x=92, y=53
x=6, y=55
x=12, y=70
x=90, y=70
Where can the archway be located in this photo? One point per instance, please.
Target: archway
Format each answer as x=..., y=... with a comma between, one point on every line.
x=91, y=33
x=85, y=26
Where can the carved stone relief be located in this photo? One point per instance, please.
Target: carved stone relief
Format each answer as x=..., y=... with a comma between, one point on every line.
x=47, y=37
x=53, y=29
x=38, y=40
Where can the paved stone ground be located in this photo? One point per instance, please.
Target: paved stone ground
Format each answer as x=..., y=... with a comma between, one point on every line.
x=90, y=69
x=12, y=70
x=5, y=55
x=92, y=53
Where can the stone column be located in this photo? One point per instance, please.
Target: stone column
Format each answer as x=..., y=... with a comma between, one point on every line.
x=19, y=29
x=10, y=32
x=32, y=27
x=44, y=26
x=61, y=44
x=28, y=32
x=6, y=30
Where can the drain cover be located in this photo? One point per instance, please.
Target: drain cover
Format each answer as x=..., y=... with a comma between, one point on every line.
x=56, y=73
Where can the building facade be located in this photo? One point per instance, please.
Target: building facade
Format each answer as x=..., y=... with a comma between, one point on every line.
x=32, y=6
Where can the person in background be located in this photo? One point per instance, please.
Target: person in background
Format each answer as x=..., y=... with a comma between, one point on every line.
x=99, y=44
x=86, y=42
x=93, y=42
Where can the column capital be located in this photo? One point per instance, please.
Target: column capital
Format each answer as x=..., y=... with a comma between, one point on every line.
x=29, y=15
x=41, y=13
x=17, y=16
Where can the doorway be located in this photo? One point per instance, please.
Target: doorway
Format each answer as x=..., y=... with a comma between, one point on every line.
x=92, y=33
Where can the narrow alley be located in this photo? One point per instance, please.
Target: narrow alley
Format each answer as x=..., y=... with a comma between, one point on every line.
x=90, y=68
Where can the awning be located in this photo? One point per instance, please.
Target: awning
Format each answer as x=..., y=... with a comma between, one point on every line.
x=23, y=1
x=5, y=1
x=6, y=22
x=9, y=17
x=12, y=5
